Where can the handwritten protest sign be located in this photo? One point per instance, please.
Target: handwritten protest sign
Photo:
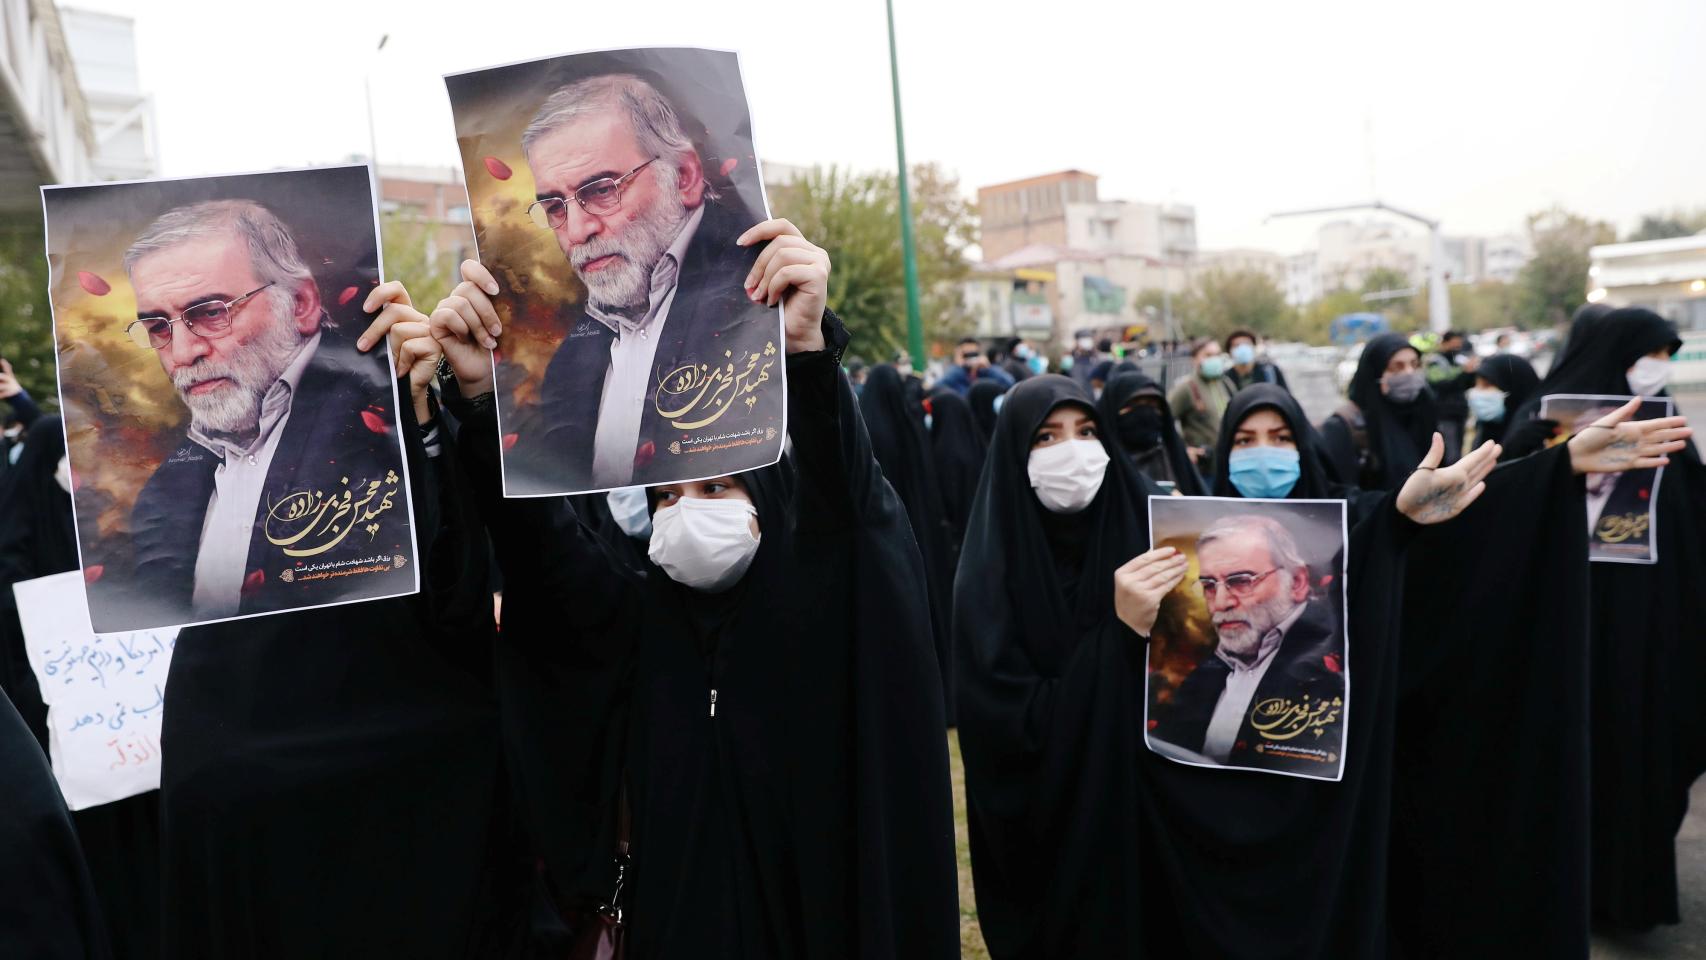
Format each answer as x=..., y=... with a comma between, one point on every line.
x=104, y=692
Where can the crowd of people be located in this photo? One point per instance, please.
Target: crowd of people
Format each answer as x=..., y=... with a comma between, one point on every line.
x=716, y=709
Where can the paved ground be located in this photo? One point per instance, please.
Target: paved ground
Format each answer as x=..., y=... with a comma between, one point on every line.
x=1687, y=940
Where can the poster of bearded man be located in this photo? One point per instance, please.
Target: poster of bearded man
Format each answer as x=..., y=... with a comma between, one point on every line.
x=1248, y=661
x=607, y=191
x=232, y=453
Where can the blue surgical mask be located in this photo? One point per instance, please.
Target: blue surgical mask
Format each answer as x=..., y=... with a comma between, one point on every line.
x=1487, y=404
x=1264, y=472
x=1037, y=364
x=1213, y=367
x=1243, y=354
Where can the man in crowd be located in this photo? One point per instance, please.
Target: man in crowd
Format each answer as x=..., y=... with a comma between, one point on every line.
x=1275, y=647
x=1198, y=402
x=970, y=366
x=1247, y=366
x=621, y=187
x=21, y=413
x=280, y=407
x=1450, y=370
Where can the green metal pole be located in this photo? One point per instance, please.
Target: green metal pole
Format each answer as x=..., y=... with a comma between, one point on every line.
x=914, y=327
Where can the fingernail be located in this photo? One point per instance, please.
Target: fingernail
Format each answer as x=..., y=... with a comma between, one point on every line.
x=754, y=295
x=361, y=343
x=497, y=329
x=491, y=344
x=492, y=289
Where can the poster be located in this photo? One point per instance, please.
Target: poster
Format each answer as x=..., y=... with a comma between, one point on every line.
x=104, y=694
x=1249, y=665
x=232, y=454
x=607, y=190
x=1621, y=525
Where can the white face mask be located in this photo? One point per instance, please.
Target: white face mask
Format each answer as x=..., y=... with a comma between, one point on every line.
x=1648, y=376
x=628, y=507
x=13, y=433
x=1066, y=476
x=704, y=544
x=62, y=474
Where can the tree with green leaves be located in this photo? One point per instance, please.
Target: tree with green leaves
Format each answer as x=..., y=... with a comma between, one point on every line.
x=26, y=318
x=412, y=257
x=856, y=217
x=1554, y=284
x=1664, y=226
x=1221, y=301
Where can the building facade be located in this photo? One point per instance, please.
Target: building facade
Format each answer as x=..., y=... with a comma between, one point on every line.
x=1030, y=212
x=1666, y=276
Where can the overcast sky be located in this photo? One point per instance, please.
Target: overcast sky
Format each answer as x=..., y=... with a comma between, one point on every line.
x=1474, y=112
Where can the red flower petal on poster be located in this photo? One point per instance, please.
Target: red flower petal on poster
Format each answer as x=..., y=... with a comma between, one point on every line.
x=730, y=164
x=644, y=455
x=93, y=572
x=1643, y=493
x=1331, y=662
x=93, y=284
x=498, y=168
x=1241, y=745
x=254, y=581
x=347, y=295
x=1154, y=723
x=510, y=439
x=375, y=422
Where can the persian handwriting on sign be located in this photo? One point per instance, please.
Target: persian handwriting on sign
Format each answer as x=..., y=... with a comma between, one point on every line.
x=127, y=654
x=308, y=524
x=1280, y=718
x=133, y=751
x=121, y=713
x=698, y=394
x=1618, y=528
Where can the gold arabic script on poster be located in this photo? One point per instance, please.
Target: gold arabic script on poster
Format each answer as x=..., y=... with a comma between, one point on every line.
x=309, y=523
x=697, y=394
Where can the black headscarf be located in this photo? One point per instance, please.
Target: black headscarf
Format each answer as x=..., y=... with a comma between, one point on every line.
x=1120, y=391
x=958, y=447
x=120, y=840
x=982, y=397
x=1050, y=694
x=47, y=904
x=902, y=448
x=1599, y=355
x=36, y=540
x=1398, y=434
x=810, y=814
x=1516, y=377
x=1312, y=481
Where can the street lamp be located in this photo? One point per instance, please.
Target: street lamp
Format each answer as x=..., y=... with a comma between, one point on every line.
x=914, y=328
x=367, y=81
x=1439, y=299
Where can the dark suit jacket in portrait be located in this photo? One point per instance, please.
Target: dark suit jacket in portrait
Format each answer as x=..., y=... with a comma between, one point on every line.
x=715, y=344
x=1305, y=677
x=336, y=479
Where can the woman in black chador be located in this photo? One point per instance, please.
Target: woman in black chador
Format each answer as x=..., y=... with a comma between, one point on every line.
x=120, y=840
x=1648, y=665
x=1084, y=842
x=1135, y=408
x=894, y=420
x=1377, y=437
x=762, y=696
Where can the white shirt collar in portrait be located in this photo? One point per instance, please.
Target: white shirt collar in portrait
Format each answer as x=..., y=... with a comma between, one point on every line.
x=223, y=558
x=628, y=381
x=1241, y=686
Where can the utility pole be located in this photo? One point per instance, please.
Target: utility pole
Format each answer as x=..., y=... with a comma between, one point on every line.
x=914, y=326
